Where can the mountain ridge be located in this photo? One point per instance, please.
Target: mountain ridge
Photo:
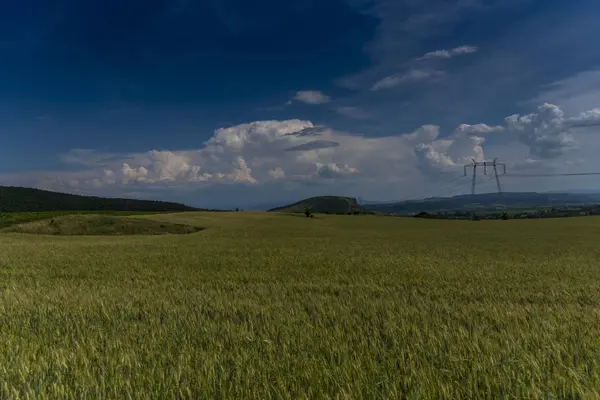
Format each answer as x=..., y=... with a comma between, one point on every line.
x=489, y=201
x=22, y=199
x=508, y=200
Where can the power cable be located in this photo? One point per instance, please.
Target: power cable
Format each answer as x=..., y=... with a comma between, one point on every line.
x=550, y=175
x=424, y=194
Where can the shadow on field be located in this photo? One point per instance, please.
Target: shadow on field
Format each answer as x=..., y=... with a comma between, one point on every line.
x=297, y=215
x=101, y=225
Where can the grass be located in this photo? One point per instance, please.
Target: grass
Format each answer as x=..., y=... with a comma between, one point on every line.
x=268, y=306
x=14, y=218
x=106, y=225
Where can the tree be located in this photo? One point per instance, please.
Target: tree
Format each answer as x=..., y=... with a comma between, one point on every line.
x=308, y=212
x=423, y=214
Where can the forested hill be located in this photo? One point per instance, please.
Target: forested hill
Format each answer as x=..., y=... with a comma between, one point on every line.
x=324, y=204
x=19, y=199
x=487, y=201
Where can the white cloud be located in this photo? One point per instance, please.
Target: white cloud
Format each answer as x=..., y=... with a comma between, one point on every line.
x=452, y=152
x=158, y=166
x=258, y=153
x=241, y=172
x=332, y=170
x=464, y=50
x=586, y=118
x=478, y=129
x=544, y=132
x=461, y=50
x=414, y=75
x=277, y=173
x=312, y=97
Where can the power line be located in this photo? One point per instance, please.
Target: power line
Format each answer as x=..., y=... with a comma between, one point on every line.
x=454, y=182
x=449, y=182
x=456, y=189
x=424, y=193
x=550, y=175
x=497, y=169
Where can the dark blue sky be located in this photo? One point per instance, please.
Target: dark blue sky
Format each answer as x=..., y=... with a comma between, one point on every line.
x=128, y=77
x=100, y=69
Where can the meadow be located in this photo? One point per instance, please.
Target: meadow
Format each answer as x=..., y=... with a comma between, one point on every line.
x=272, y=306
x=8, y=219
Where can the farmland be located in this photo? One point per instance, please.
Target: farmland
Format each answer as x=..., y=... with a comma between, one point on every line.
x=268, y=305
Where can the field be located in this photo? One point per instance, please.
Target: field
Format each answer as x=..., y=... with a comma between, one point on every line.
x=269, y=306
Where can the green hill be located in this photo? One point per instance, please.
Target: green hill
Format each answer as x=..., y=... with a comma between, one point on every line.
x=19, y=199
x=100, y=225
x=325, y=205
x=487, y=201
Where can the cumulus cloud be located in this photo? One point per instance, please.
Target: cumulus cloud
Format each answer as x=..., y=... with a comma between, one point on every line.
x=255, y=153
x=451, y=152
x=332, y=170
x=414, y=75
x=450, y=53
x=241, y=172
x=299, y=153
x=544, y=132
x=586, y=118
x=312, y=97
x=277, y=173
x=159, y=166
x=478, y=129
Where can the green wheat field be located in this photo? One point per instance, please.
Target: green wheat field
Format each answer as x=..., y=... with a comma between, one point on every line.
x=273, y=306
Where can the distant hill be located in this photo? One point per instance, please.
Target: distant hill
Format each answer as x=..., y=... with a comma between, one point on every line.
x=487, y=201
x=19, y=199
x=324, y=204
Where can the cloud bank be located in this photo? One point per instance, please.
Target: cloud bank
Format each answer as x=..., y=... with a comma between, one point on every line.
x=296, y=152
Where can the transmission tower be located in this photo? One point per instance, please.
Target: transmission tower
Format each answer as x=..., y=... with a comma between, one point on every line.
x=485, y=164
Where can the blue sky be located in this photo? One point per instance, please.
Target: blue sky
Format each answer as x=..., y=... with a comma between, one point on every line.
x=215, y=103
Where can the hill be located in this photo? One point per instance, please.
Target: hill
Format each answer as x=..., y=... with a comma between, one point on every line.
x=19, y=199
x=106, y=225
x=487, y=201
x=326, y=205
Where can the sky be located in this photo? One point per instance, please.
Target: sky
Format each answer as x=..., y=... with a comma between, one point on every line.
x=231, y=103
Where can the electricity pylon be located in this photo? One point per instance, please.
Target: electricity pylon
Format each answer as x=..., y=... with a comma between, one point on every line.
x=485, y=164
